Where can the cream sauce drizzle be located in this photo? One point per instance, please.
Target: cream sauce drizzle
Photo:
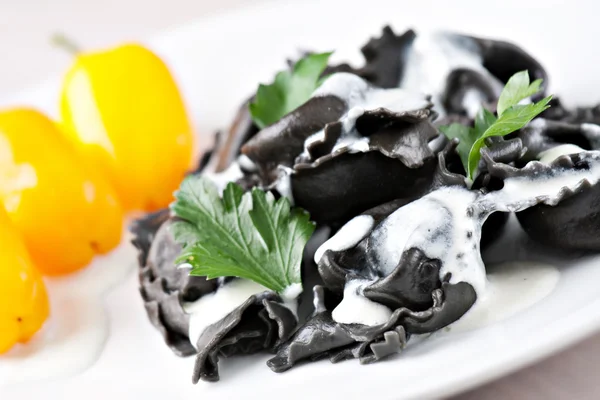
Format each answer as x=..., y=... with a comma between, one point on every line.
x=446, y=225
x=513, y=287
x=283, y=184
x=360, y=96
x=221, y=179
x=213, y=307
x=523, y=192
x=77, y=329
x=431, y=59
x=355, y=308
x=552, y=154
x=348, y=235
x=437, y=225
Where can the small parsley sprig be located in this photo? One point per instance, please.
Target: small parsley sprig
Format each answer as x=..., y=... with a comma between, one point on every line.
x=289, y=90
x=248, y=235
x=511, y=116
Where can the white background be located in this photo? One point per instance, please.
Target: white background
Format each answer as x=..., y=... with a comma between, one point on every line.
x=27, y=57
x=26, y=27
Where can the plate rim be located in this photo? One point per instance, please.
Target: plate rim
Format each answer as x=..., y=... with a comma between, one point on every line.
x=560, y=338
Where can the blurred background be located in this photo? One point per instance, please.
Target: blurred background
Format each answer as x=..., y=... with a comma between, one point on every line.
x=29, y=57
x=27, y=26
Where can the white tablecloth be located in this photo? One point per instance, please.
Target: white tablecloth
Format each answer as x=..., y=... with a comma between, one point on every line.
x=26, y=27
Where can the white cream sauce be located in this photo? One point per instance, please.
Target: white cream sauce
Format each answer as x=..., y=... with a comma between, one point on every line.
x=360, y=96
x=552, y=154
x=246, y=163
x=77, y=329
x=355, y=308
x=431, y=59
x=221, y=179
x=473, y=102
x=521, y=193
x=292, y=292
x=446, y=225
x=592, y=133
x=283, y=184
x=357, y=92
x=512, y=288
x=436, y=224
x=214, y=306
x=349, y=235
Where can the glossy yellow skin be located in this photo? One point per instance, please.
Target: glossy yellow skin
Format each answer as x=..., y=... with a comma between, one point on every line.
x=23, y=299
x=123, y=111
x=65, y=211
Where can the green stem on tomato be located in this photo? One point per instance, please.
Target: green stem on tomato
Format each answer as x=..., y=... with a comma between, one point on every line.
x=62, y=41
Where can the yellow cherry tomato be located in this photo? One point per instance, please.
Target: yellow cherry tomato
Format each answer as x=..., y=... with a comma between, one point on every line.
x=65, y=211
x=123, y=111
x=23, y=299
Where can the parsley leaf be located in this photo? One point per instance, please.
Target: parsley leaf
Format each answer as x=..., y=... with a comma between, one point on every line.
x=483, y=120
x=249, y=235
x=512, y=116
x=511, y=120
x=290, y=90
x=516, y=89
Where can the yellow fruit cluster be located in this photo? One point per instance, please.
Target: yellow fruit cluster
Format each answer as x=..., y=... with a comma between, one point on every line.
x=123, y=143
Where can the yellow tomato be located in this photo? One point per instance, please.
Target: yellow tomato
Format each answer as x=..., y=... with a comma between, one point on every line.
x=123, y=111
x=65, y=211
x=23, y=299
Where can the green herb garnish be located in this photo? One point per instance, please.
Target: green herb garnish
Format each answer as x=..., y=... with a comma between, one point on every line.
x=511, y=116
x=249, y=235
x=290, y=90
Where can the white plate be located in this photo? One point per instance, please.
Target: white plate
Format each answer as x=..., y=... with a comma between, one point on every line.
x=218, y=62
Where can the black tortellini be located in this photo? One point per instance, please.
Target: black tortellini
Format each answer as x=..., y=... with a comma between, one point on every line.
x=367, y=144
x=333, y=180
x=164, y=287
x=574, y=223
x=260, y=323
